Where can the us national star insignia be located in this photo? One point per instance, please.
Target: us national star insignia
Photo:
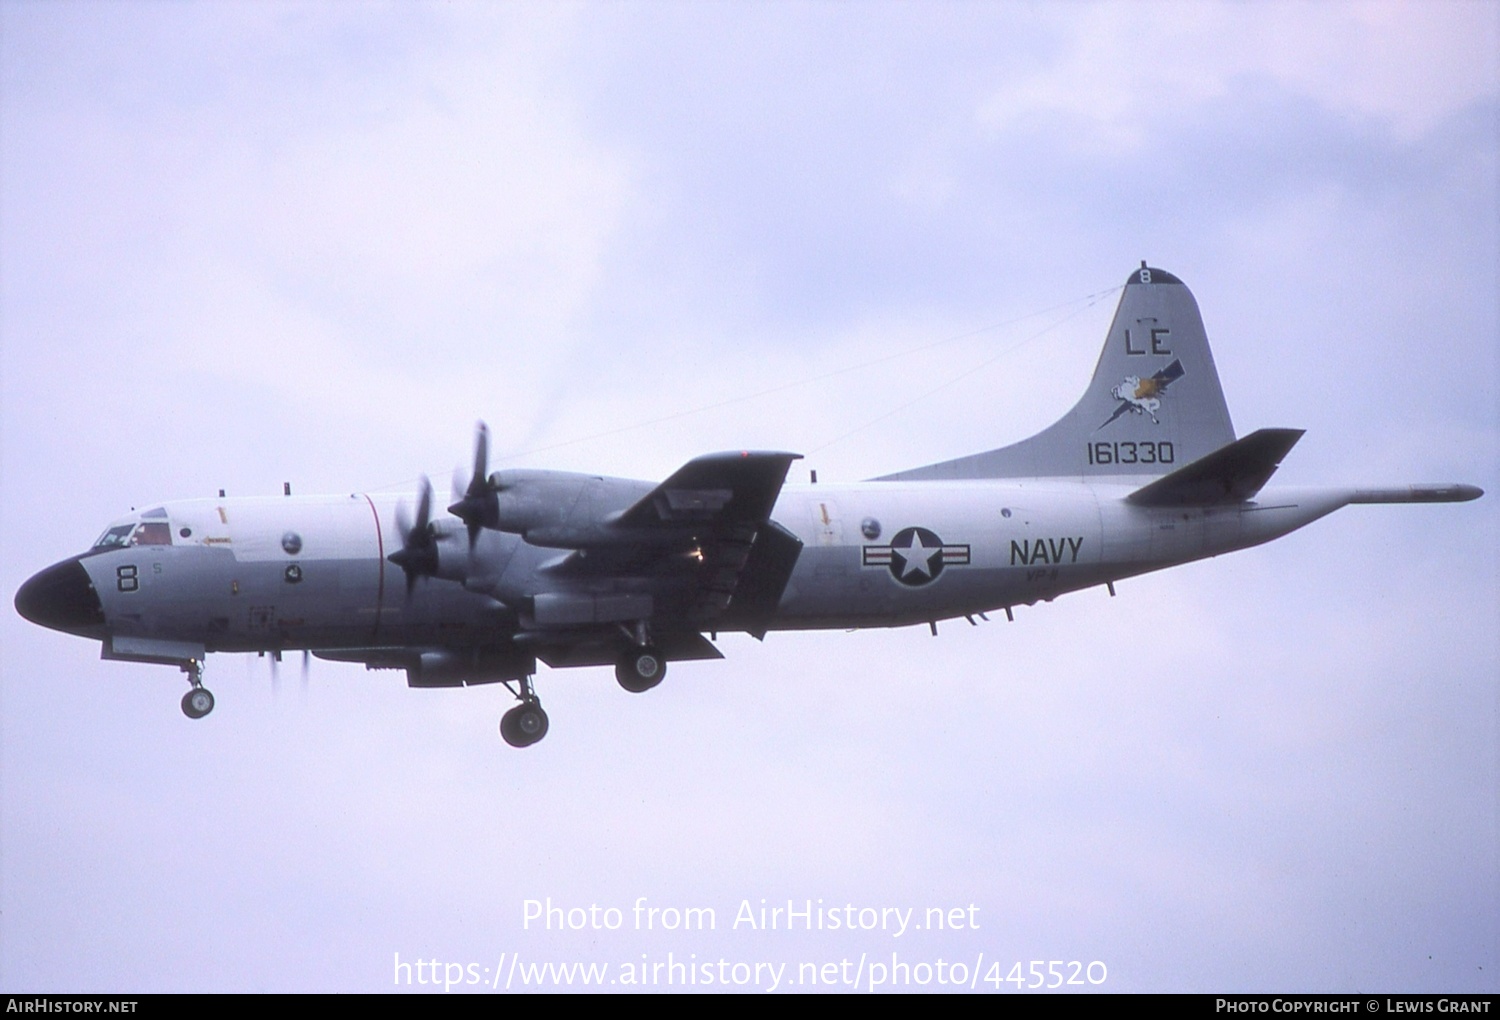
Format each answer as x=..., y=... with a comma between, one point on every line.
x=916, y=556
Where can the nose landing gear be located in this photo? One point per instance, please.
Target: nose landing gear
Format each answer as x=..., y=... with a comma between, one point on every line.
x=199, y=700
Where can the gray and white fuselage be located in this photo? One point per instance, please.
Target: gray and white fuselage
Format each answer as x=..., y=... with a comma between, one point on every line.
x=311, y=572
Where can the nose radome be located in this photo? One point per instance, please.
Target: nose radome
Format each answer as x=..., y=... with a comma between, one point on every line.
x=63, y=598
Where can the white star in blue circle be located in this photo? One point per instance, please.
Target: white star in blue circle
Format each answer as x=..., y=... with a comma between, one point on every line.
x=920, y=553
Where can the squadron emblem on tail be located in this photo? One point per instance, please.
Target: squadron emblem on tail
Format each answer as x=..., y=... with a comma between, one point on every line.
x=1143, y=396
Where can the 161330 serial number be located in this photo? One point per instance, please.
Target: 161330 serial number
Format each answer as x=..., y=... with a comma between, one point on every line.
x=1131, y=453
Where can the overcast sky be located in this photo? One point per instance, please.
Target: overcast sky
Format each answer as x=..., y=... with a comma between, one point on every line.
x=242, y=244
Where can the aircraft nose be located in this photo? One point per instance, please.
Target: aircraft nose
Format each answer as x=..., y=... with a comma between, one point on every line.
x=63, y=598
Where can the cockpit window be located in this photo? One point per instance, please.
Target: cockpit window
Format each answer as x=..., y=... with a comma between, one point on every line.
x=115, y=537
x=153, y=533
x=146, y=533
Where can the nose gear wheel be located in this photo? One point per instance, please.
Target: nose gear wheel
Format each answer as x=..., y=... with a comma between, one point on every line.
x=199, y=700
x=197, y=703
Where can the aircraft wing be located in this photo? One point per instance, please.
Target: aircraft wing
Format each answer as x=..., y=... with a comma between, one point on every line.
x=701, y=544
x=722, y=490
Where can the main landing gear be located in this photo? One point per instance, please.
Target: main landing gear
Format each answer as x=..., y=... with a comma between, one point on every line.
x=640, y=669
x=198, y=701
x=525, y=724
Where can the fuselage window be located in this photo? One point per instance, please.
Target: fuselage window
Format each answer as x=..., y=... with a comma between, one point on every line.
x=153, y=533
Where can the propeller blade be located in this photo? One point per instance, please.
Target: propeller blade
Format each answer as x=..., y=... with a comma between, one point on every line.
x=418, y=553
x=306, y=666
x=424, y=505
x=478, y=507
x=479, y=481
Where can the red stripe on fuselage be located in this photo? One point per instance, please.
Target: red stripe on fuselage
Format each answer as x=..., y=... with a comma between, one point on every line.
x=380, y=589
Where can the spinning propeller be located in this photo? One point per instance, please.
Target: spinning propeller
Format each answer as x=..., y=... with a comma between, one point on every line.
x=479, y=507
x=276, y=672
x=418, y=554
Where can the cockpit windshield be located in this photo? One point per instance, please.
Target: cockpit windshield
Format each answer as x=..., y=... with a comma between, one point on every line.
x=115, y=537
x=147, y=533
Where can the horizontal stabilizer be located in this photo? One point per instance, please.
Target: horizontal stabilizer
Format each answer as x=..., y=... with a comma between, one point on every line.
x=1231, y=474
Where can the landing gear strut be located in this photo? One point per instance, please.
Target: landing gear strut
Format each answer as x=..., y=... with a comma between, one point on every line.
x=198, y=701
x=525, y=724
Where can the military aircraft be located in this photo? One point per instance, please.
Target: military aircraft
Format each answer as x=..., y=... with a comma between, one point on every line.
x=528, y=566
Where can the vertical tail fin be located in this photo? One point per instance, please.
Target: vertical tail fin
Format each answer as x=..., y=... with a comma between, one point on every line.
x=1154, y=403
